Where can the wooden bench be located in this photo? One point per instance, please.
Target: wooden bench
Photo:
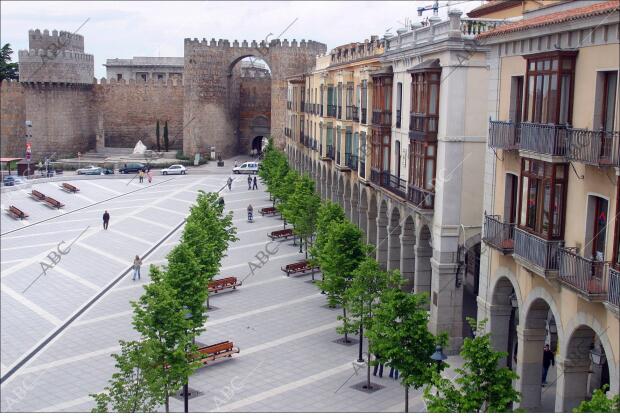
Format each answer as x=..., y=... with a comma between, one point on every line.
x=214, y=352
x=16, y=213
x=53, y=203
x=221, y=284
x=69, y=188
x=285, y=234
x=268, y=211
x=299, y=267
x=37, y=195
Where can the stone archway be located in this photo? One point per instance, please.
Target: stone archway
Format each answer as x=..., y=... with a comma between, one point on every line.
x=355, y=197
x=393, y=240
x=346, y=198
x=209, y=103
x=363, y=212
x=372, y=218
x=423, y=253
x=334, y=189
x=407, y=252
x=382, y=234
x=504, y=318
x=257, y=144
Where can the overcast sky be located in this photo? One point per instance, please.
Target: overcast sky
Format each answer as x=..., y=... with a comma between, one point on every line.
x=127, y=29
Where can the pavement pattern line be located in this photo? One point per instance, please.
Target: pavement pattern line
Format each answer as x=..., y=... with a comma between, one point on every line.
x=130, y=236
x=105, y=188
x=76, y=278
x=144, y=220
x=29, y=236
x=30, y=305
x=103, y=253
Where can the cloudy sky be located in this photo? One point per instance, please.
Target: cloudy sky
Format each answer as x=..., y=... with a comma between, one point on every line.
x=127, y=29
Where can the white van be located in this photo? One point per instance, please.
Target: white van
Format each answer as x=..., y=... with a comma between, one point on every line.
x=247, y=167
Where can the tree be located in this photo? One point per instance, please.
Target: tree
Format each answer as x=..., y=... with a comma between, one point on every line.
x=274, y=168
x=166, y=142
x=8, y=70
x=328, y=213
x=159, y=317
x=130, y=388
x=399, y=336
x=301, y=210
x=368, y=284
x=157, y=136
x=482, y=385
x=599, y=403
x=342, y=253
x=284, y=189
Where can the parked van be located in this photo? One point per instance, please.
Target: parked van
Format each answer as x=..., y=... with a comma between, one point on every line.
x=247, y=167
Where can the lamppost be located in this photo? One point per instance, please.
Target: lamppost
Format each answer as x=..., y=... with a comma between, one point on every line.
x=439, y=357
x=188, y=316
x=514, y=303
x=28, y=144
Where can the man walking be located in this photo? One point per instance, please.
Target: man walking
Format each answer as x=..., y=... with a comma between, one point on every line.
x=137, y=262
x=548, y=360
x=249, y=181
x=229, y=183
x=106, y=220
x=254, y=184
x=141, y=175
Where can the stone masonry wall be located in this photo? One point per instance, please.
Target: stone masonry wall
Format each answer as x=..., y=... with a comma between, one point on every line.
x=130, y=112
x=254, y=111
x=13, y=119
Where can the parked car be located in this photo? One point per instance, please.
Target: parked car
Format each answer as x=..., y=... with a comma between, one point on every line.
x=100, y=171
x=84, y=171
x=132, y=167
x=13, y=180
x=174, y=170
x=247, y=167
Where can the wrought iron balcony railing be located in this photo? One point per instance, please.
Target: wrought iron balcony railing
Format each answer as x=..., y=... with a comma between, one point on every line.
x=352, y=162
x=349, y=114
x=337, y=157
x=498, y=234
x=382, y=117
x=355, y=113
x=504, y=135
x=594, y=147
x=422, y=126
x=330, y=151
x=545, y=139
x=421, y=198
x=331, y=110
x=613, y=287
x=395, y=184
x=586, y=276
x=364, y=119
x=375, y=176
x=541, y=253
x=340, y=112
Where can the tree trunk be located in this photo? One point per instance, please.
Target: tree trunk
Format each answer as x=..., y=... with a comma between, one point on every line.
x=368, y=369
x=344, y=313
x=167, y=403
x=306, y=248
x=300, y=245
x=406, y=399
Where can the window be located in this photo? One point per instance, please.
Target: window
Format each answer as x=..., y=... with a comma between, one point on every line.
x=424, y=104
x=550, y=79
x=397, y=157
x=422, y=165
x=610, y=80
x=616, y=259
x=510, y=198
x=516, y=99
x=399, y=103
x=543, y=198
x=338, y=137
x=119, y=77
x=596, y=231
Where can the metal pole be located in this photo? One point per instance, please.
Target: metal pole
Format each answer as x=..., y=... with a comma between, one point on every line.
x=186, y=397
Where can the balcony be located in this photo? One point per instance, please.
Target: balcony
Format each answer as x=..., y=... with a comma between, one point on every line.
x=302, y=106
x=599, y=148
x=504, y=135
x=364, y=118
x=544, y=139
x=498, y=234
x=395, y=184
x=585, y=276
x=349, y=114
x=422, y=127
x=339, y=112
x=287, y=132
x=421, y=198
x=382, y=117
x=321, y=110
x=330, y=151
x=613, y=287
x=301, y=137
x=536, y=253
x=331, y=110
x=375, y=176
x=289, y=105
x=351, y=161
x=355, y=113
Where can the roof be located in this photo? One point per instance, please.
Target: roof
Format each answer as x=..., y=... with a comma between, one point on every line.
x=493, y=6
x=429, y=64
x=554, y=18
x=9, y=159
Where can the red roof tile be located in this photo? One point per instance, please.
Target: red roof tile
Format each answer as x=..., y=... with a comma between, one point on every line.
x=553, y=18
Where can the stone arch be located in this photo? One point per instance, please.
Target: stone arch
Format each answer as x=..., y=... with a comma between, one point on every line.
x=393, y=239
x=328, y=188
x=346, y=198
x=372, y=218
x=324, y=182
x=423, y=253
x=340, y=191
x=407, y=252
x=363, y=211
x=382, y=234
x=355, y=197
x=503, y=317
x=334, y=188
x=212, y=103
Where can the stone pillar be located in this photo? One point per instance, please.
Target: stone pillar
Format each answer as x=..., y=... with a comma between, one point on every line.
x=363, y=219
x=346, y=204
x=393, y=252
x=372, y=227
x=572, y=383
x=422, y=269
x=407, y=259
x=446, y=304
x=529, y=366
x=355, y=214
x=498, y=325
x=382, y=243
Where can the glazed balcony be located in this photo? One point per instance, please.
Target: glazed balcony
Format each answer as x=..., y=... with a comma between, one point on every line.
x=422, y=127
x=599, y=148
x=382, y=117
x=587, y=277
x=331, y=110
x=613, y=287
x=504, y=135
x=499, y=235
x=421, y=198
x=363, y=118
x=544, y=139
x=536, y=253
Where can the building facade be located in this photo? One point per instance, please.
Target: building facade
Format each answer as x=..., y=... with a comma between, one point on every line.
x=550, y=262
x=145, y=68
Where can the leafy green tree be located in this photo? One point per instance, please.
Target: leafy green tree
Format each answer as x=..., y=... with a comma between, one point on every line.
x=284, y=190
x=157, y=136
x=482, y=385
x=368, y=284
x=328, y=213
x=166, y=141
x=274, y=168
x=8, y=69
x=301, y=210
x=130, y=388
x=599, y=403
x=341, y=255
x=159, y=317
x=399, y=336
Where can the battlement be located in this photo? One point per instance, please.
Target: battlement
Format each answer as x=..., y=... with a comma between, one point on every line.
x=171, y=82
x=8, y=85
x=275, y=43
x=39, y=55
x=62, y=40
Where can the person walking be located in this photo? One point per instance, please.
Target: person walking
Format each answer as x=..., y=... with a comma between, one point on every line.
x=148, y=175
x=393, y=373
x=250, y=213
x=229, y=183
x=106, y=220
x=378, y=366
x=548, y=361
x=141, y=175
x=254, y=184
x=136, y=267
x=249, y=181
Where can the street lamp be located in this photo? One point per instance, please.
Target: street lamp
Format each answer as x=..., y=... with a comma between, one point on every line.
x=439, y=357
x=597, y=356
x=513, y=300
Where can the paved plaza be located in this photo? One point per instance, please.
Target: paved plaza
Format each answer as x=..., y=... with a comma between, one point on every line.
x=288, y=360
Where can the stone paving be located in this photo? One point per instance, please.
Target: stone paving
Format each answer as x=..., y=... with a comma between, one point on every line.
x=288, y=360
